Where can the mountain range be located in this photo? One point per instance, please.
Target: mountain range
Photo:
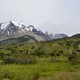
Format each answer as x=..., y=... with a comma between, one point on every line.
x=16, y=29
x=59, y=36
x=18, y=32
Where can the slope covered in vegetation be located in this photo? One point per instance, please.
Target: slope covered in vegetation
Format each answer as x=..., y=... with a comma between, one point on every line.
x=50, y=60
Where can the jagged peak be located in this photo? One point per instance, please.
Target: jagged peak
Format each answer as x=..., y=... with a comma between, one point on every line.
x=19, y=24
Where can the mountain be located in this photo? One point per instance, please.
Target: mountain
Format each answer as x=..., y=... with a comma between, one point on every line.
x=15, y=29
x=51, y=36
x=59, y=36
x=76, y=35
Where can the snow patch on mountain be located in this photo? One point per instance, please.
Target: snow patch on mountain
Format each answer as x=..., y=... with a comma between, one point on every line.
x=19, y=24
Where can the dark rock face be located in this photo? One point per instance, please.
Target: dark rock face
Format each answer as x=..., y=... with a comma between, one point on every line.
x=40, y=33
x=11, y=28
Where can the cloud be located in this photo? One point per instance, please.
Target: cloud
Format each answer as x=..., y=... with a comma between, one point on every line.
x=56, y=15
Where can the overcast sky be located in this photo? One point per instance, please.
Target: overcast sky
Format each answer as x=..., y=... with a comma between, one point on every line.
x=54, y=16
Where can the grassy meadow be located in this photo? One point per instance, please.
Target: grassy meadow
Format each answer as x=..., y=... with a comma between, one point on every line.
x=42, y=70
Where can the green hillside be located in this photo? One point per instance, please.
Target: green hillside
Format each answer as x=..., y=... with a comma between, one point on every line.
x=49, y=60
x=54, y=47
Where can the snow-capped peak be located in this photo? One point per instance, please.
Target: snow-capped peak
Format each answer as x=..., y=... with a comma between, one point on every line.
x=19, y=24
x=14, y=25
x=19, y=28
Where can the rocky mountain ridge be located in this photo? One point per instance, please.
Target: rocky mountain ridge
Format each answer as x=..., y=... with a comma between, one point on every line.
x=15, y=29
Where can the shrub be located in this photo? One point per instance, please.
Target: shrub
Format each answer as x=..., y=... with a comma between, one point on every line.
x=56, y=53
x=53, y=59
x=1, y=55
x=19, y=60
x=74, y=58
x=8, y=60
x=39, y=53
x=52, y=54
x=27, y=60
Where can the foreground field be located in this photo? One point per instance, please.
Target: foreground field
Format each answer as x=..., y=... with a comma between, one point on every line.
x=42, y=70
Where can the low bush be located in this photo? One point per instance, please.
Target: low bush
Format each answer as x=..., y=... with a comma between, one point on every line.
x=53, y=59
x=74, y=58
x=19, y=60
x=27, y=60
x=8, y=60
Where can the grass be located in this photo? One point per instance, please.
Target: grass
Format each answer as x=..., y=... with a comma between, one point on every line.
x=45, y=69
x=64, y=76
